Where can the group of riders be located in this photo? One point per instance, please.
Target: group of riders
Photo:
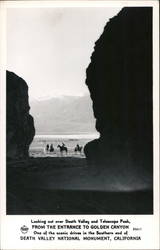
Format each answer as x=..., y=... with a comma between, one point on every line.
x=63, y=148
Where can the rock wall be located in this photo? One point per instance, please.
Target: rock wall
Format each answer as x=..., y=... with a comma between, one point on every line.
x=119, y=79
x=20, y=124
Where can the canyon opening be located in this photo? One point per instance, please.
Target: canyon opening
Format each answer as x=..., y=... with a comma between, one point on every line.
x=79, y=110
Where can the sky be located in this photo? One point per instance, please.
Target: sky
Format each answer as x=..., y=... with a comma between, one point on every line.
x=50, y=48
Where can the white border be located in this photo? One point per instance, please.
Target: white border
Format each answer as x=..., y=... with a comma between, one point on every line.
x=10, y=224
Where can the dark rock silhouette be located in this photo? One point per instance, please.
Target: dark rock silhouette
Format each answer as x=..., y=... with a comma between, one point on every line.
x=20, y=124
x=119, y=78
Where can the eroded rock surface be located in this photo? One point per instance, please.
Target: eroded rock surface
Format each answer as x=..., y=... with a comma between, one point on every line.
x=119, y=78
x=20, y=124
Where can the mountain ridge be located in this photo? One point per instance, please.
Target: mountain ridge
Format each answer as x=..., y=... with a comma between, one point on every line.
x=65, y=114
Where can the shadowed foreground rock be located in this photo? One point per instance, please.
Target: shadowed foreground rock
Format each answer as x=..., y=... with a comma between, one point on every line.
x=20, y=125
x=119, y=78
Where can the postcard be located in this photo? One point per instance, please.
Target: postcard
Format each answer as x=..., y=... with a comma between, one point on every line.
x=79, y=124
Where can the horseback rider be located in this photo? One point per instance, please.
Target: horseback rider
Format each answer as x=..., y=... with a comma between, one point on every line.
x=47, y=147
x=63, y=148
x=51, y=148
x=78, y=148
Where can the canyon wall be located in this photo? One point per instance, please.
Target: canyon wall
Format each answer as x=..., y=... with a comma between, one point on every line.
x=20, y=124
x=119, y=79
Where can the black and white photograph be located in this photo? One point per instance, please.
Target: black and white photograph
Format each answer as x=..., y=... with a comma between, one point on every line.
x=79, y=132
x=79, y=111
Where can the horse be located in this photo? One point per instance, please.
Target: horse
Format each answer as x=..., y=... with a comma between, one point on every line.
x=51, y=148
x=47, y=147
x=78, y=148
x=62, y=148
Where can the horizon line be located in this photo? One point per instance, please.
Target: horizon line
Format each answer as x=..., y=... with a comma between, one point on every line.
x=43, y=98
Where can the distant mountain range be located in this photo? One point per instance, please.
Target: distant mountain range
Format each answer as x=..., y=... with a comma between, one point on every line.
x=63, y=115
